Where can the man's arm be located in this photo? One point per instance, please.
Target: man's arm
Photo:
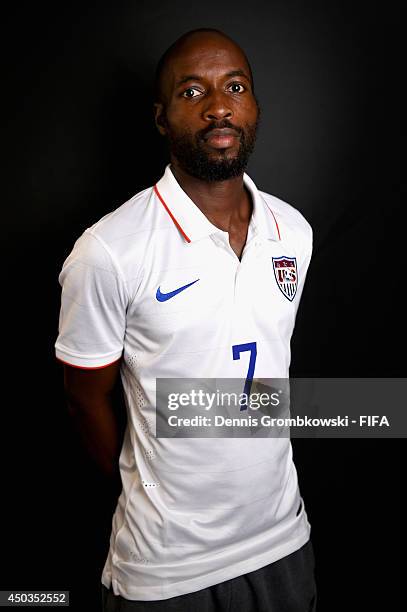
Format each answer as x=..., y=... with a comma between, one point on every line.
x=90, y=403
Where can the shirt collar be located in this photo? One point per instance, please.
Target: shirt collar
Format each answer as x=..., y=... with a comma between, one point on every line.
x=191, y=221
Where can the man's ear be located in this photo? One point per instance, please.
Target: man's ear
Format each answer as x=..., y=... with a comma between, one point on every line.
x=159, y=118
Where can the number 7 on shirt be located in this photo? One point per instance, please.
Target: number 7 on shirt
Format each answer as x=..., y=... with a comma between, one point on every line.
x=242, y=348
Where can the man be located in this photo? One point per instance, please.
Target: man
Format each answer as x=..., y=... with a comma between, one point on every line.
x=199, y=276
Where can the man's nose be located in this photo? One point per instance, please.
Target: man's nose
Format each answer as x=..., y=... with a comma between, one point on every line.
x=217, y=107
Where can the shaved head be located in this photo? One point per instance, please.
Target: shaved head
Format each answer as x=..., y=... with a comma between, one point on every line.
x=164, y=63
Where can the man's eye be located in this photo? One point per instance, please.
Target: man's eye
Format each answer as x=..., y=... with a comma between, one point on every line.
x=236, y=86
x=189, y=93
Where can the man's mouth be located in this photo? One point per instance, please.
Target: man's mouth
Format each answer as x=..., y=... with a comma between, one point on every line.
x=221, y=138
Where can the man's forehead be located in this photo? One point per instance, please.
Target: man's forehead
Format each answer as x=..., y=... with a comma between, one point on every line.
x=210, y=59
x=201, y=59
x=212, y=53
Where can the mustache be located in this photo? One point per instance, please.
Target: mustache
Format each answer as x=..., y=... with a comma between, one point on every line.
x=218, y=125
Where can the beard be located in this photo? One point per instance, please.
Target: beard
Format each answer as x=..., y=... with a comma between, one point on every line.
x=196, y=160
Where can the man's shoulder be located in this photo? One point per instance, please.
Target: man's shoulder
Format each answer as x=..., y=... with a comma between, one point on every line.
x=121, y=236
x=287, y=216
x=128, y=228
x=129, y=217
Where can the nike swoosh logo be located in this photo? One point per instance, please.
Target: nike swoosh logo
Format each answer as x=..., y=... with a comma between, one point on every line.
x=163, y=297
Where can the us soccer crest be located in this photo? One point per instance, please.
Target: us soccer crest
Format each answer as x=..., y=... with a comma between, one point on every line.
x=285, y=271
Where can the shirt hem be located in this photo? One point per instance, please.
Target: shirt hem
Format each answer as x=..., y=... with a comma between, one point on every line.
x=197, y=584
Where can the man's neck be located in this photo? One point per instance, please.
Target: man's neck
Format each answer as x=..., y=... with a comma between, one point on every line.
x=224, y=203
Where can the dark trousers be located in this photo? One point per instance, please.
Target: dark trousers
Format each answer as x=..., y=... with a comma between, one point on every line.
x=287, y=585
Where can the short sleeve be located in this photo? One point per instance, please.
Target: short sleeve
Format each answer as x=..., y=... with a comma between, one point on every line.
x=94, y=300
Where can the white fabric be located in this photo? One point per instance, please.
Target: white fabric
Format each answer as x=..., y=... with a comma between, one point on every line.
x=193, y=512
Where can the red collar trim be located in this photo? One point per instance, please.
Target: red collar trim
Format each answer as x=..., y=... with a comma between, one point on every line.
x=171, y=215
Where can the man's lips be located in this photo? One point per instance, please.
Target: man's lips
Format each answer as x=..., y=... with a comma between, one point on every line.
x=221, y=138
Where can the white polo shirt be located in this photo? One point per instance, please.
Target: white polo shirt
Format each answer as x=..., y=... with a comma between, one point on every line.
x=156, y=283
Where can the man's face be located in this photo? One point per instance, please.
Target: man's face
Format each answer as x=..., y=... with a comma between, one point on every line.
x=210, y=115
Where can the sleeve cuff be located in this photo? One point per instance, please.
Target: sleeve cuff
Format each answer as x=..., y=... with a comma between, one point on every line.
x=87, y=362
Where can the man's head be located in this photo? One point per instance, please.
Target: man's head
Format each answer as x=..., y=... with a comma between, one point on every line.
x=205, y=105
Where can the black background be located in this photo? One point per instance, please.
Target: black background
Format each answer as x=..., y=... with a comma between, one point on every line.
x=79, y=140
